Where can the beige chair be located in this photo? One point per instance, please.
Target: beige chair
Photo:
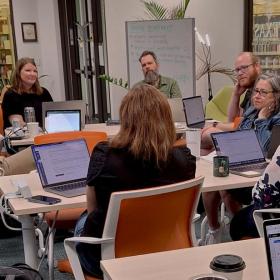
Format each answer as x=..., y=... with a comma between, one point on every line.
x=144, y=221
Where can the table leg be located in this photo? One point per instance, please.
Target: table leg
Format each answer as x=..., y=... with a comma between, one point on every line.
x=29, y=241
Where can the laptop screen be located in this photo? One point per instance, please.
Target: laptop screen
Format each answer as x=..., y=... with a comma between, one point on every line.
x=241, y=146
x=63, y=120
x=272, y=244
x=194, y=111
x=61, y=162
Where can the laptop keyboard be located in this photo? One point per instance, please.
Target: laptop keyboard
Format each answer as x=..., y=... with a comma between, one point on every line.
x=70, y=186
x=256, y=166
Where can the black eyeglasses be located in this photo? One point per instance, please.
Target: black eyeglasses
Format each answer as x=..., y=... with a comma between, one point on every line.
x=262, y=92
x=242, y=68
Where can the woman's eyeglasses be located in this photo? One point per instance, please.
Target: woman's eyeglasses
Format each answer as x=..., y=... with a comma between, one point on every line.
x=262, y=92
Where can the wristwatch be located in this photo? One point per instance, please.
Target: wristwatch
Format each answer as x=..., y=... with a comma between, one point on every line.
x=214, y=124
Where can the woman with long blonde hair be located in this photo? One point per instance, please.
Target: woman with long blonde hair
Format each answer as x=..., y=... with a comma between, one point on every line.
x=140, y=155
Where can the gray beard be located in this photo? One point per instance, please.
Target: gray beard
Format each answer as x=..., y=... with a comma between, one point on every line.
x=152, y=78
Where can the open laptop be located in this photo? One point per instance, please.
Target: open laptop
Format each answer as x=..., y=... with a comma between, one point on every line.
x=194, y=111
x=271, y=230
x=177, y=110
x=62, y=120
x=62, y=166
x=65, y=105
x=245, y=154
x=274, y=141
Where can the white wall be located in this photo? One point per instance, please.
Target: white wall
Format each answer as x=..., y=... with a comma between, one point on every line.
x=221, y=19
x=47, y=51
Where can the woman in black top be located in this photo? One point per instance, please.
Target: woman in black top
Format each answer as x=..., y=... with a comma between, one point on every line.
x=140, y=155
x=25, y=91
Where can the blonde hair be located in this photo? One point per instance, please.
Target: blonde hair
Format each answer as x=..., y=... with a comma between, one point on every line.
x=147, y=129
x=16, y=79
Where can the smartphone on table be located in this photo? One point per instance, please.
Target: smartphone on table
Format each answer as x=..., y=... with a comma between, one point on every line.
x=44, y=199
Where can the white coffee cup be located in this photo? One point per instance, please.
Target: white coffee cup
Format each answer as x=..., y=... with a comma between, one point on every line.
x=208, y=277
x=229, y=266
x=193, y=138
x=33, y=128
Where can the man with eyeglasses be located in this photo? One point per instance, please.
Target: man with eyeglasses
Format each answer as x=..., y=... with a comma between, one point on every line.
x=247, y=69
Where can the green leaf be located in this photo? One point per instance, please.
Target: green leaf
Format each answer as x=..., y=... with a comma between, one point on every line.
x=179, y=11
x=155, y=10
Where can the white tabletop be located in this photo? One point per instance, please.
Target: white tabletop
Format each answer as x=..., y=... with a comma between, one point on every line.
x=185, y=263
x=111, y=131
x=21, y=206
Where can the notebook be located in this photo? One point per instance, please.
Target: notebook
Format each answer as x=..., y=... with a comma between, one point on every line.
x=245, y=154
x=62, y=166
x=274, y=141
x=62, y=120
x=272, y=245
x=194, y=111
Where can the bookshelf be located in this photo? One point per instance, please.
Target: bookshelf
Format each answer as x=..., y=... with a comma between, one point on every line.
x=7, y=59
x=266, y=35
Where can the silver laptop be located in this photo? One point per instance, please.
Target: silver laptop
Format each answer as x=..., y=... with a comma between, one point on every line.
x=62, y=166
x=271, y=229
x=274, y=141
x=245, y=154
x=177, y=110
x=65, y=105
x=194, y=111
x=62, y=120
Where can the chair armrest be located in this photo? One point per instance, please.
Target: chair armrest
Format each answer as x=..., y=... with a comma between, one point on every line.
x=258, y=217
x=89, y=240
x=70, y=248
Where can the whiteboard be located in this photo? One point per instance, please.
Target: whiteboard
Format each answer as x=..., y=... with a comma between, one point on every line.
x=173, y=42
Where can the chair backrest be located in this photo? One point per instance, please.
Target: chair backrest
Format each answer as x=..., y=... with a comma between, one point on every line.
x=153, y=219
x=217, y=107
x=91, y=137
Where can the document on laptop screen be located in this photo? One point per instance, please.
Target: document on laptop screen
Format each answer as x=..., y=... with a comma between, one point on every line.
x=273, y=249
x=62, y=162
x=239, y=146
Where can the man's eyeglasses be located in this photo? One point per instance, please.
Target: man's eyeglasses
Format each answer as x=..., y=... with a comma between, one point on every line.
x=262, y=92
x=242, y=68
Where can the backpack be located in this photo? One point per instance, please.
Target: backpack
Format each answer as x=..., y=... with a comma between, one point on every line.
x=19, y=271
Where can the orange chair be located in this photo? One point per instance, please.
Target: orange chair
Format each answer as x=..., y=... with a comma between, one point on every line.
x=144, y=221
x=67, y=218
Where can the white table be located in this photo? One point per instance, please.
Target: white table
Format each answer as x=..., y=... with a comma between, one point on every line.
x=24, y=209
x=111, y=131
x=185, y=263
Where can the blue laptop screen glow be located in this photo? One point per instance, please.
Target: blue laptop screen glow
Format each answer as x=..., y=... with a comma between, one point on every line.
x=61, y=162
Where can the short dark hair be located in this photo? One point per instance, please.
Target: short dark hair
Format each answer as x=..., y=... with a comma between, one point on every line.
x=144, y=53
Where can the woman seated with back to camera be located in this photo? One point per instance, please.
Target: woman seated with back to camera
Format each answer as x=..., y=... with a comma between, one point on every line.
x=261, y=116
x=25, y=91
x=266, y=194
x=141, y=155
